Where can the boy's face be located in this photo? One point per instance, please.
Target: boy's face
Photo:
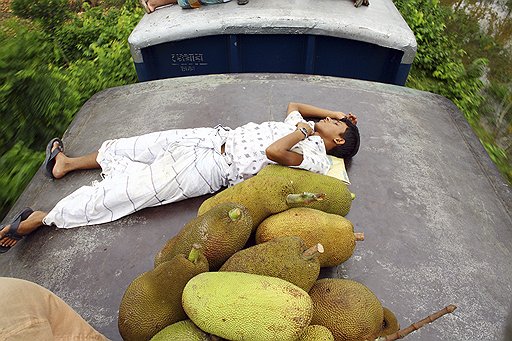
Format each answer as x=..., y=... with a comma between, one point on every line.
x=331, y=131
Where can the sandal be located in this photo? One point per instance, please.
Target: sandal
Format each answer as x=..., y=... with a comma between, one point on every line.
x=49, y=161
x=13, y=230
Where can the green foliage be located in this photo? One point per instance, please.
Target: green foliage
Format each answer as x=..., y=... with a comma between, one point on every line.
x=438, y=66
x=108, y=61
x=498, y=108
x=500, y=158
x=426, y=19
x=443, y=65
x=75, y=38
x=17, y=167
x=497, y=135
x=49, y=13
x=478, y=44
x=35, y=100
x=113, y=3
x=47, y=74
x=97, y=27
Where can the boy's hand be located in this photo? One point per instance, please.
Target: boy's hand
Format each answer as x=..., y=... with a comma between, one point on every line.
x=350, y=116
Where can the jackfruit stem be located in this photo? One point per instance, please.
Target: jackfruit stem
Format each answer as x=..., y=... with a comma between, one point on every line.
x=235, y=214
x=359, y=236
x=313, y=251
x=415, y=326
x=304, y=198
x=193, y=256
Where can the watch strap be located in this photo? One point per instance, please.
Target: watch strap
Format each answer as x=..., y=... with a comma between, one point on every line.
x=304, y=131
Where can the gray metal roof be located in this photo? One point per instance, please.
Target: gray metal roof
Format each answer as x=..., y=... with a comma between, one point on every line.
x=380, y=23
x=435, y=211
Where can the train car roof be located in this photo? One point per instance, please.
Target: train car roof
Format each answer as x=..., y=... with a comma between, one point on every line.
x=380, y=23
x=435, y=211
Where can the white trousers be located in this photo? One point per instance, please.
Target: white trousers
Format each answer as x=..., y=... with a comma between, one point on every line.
x=145, y=171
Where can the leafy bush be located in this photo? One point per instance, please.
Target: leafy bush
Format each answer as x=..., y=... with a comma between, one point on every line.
x=17, y=167
x=443, y=66
x=106, y=62
x=36, y=102
x=461, y=27
x=97, y=27
x=438, y=65
x=47, y=71
x=49, y=13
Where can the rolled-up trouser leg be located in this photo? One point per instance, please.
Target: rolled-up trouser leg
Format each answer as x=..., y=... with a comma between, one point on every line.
x=183, y=172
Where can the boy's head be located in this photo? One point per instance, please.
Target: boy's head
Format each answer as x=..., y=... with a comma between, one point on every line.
x=341, y=138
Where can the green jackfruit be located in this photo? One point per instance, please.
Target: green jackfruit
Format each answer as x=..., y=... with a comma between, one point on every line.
x=334, y=232
x=262, y=195
x=181, y=331
x=390, y=324
x=241, y=306
x=316, y=333
x=348, y=309
x=221, y=232
x=152, y=301
x=338, y=198
x=287, y=258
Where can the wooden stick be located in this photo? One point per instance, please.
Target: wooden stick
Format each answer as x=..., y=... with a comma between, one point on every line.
x=304, y=198
x=193, y=256
x=313, y=251
x=415, y=326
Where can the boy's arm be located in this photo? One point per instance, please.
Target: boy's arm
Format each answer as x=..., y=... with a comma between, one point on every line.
x=310, y=111
x=279, y=151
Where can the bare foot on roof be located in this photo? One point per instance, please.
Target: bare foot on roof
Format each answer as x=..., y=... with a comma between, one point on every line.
x=59, y=170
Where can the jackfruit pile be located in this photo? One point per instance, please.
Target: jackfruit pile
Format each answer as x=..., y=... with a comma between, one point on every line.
x=247, y=268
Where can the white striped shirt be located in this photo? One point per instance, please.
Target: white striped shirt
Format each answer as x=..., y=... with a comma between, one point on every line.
x=246, y=145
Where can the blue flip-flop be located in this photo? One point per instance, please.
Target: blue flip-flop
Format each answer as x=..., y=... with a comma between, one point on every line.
x=49, y=161
x=13, y=230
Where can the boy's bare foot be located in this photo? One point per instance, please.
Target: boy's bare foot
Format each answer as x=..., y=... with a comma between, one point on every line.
x=55, y=162
x=145, y=5
x=151, y=5
x=59, y=169
x=23, y=224
x=151, y=8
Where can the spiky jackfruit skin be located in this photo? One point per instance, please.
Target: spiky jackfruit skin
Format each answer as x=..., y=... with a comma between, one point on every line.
x=338, y=198
x=347, y=308
x=181, y=331
x=152, y=301
x=390, y=324
x=164, y=254
x=219, y=235
x=241, y=306
x=280, y=257
x=263, y=196
x=316, y=333
x=334, y=232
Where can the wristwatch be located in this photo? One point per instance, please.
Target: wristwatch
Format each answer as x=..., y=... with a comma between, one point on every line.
x=304, y=131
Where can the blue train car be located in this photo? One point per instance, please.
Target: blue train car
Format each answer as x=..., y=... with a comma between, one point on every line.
x=323, y=37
